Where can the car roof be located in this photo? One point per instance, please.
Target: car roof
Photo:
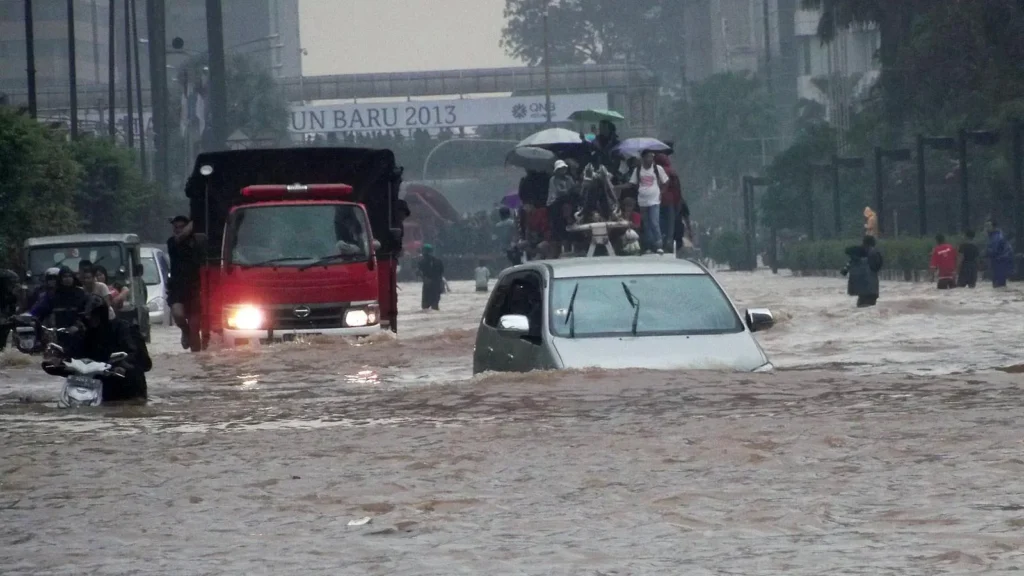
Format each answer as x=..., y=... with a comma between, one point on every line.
x=621, y=266
x=72, y=239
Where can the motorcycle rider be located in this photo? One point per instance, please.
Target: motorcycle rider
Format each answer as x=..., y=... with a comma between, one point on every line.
x=64, y=304
x=97, y=338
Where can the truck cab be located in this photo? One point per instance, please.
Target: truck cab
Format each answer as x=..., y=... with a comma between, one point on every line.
x=293, y=249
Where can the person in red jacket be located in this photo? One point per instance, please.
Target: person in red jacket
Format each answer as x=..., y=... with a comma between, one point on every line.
x=671, y=201
x=944, y=263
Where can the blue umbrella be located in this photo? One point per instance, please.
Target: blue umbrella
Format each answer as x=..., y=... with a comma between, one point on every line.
x=636, y=146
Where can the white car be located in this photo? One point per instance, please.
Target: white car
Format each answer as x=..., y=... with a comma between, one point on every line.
x=156, y=269
x=616, y=313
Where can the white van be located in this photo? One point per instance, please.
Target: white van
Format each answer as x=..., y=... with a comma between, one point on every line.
x=156, y=270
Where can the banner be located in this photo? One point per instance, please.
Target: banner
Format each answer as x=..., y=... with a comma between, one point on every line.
x=434, y=114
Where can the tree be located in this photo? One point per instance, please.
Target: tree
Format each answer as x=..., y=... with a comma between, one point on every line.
x=111, y=195
x=37, y=182
x=718, y=135
x=597, y=31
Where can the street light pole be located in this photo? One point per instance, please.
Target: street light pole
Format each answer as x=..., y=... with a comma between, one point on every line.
x=30, y=59
x=922, y=193
x=218, y=73
x=900, y=154
x=111, y=69
x=547, y=67
x=72, y=70
x=143, y=161
x=155, y=19
x=130, y=125
x=965, y=199
x=1018, y=183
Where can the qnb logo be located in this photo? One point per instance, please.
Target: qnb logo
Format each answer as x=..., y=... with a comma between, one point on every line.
x=519, y=111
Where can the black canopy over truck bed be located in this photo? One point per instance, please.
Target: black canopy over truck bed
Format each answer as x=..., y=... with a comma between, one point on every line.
x=373, y=175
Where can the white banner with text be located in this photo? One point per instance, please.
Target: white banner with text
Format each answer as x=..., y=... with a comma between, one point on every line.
x=435, y=114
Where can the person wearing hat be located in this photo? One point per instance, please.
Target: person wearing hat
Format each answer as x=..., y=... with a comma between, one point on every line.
x=431, y=270
x=561, y=189
x=186, y=255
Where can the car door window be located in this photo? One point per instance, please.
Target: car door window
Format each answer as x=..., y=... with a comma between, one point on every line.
x=526, y=299
x=498, y=305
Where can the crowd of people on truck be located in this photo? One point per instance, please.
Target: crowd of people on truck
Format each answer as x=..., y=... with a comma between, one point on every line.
x=642, y=197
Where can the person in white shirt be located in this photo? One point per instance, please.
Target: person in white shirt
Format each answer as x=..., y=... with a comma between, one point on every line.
x=648, y=179
x=483, y=274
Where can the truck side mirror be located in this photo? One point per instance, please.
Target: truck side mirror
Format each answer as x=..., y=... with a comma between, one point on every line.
x=376, y=244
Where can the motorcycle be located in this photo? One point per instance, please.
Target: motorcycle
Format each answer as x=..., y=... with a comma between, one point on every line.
x=83, y=380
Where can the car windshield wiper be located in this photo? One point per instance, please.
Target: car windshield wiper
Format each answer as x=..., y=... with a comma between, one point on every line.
x=570, y=319
x=274, y=261
x=635, y=303
x=331, y=258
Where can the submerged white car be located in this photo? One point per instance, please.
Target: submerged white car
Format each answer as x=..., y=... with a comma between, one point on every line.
x=614, y=313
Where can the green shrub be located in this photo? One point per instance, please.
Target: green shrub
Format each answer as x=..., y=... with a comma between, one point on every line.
x=728, y=247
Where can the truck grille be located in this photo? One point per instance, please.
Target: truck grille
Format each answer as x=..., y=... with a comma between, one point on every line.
x=320, y=317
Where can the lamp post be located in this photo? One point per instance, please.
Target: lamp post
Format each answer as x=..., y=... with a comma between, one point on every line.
x=750, y=218
x=982, y=138
x=1018, y=183
x=30, y=59
x=838, y=162
x=896, y=155
x=72, y=70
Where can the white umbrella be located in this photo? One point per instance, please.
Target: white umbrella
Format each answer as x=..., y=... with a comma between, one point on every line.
x=552, y=137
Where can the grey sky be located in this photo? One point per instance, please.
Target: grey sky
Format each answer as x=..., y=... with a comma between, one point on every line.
x=354, y=36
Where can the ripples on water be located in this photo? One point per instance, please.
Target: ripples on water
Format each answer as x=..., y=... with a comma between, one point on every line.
x=886, y=444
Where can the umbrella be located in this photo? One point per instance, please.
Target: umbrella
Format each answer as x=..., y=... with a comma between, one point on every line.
x=595, y=116
x=532, y=158
x=512, y=201
x=636, y=146
x=552, y=137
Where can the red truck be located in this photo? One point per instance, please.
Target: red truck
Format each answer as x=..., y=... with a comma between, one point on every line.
x=299, y=241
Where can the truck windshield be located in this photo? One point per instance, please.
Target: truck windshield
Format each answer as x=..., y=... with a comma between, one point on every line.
x=296, y=235
x=43, y=257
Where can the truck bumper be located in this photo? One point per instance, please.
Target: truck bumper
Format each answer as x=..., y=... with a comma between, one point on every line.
x=246, y=337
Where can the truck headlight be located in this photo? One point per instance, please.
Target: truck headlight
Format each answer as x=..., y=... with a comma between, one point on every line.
x=362, y=316
x=244, y=318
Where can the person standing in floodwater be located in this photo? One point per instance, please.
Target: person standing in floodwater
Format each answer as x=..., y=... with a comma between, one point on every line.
x=969, y=255
x=865, y=262
x=943, y=262
x=1000, y=255
x=431, y=270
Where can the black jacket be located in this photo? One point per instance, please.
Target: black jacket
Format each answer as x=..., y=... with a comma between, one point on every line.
x=97, y=344
x=863, y=270
x=65, y=304
x=186, y=259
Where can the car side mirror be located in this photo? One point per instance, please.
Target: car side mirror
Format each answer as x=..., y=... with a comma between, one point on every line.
x=117, y=357
x=513, y=326
x=760, y=319
x=376, y=244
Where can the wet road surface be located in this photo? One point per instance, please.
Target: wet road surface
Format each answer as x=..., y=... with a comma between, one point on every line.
x=887, y=443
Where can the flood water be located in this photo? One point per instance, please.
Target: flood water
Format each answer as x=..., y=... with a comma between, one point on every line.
x=888, y=442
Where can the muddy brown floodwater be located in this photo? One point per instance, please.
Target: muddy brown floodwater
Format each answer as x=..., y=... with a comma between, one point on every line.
x=888, y=442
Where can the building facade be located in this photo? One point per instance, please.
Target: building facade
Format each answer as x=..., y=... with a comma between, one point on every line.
x=265, y=30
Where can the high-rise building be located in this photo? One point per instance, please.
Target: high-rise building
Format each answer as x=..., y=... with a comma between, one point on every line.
x=265, y=30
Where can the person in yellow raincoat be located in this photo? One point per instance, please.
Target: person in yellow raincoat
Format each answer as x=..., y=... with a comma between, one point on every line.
x=870, y=222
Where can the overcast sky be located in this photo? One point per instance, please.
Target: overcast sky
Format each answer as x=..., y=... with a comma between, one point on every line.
x=354, y=36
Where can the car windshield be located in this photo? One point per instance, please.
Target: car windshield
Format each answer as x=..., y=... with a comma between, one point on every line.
x=43, y=257
x=297, y=234
x=669, y=304
x=150, y=272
